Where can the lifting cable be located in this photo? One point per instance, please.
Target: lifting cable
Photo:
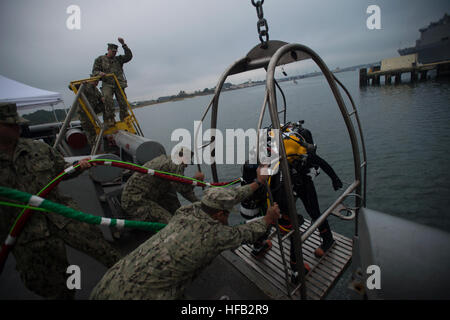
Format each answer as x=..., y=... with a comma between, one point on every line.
x=23, y=217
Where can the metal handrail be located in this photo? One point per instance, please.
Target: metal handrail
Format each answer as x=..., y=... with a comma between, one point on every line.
x=308, y=232
x=363, y=145
x=63, y=129
x=270, y=86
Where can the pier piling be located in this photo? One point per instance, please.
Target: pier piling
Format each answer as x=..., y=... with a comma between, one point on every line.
x=417, y=72
x=363, y=81
x=413, y=76
x=388, y=79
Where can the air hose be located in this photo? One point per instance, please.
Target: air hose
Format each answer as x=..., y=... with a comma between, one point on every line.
x=23, y=217
x=49, y=206
x=21, y=220
x=160, y=174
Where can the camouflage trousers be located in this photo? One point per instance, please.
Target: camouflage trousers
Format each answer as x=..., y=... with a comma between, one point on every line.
x=108, y=93
x=106, y=290
x=42, y=263
x=148, y=210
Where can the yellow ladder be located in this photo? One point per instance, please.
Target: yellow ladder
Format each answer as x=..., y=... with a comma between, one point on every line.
x=129, y=124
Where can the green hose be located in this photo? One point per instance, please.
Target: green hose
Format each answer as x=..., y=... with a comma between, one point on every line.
x=49, y=206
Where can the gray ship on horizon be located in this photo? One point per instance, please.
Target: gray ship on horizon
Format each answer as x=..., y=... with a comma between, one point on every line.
x=433, y=44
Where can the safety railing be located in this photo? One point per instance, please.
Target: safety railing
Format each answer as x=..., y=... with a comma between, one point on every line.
x=130, y=124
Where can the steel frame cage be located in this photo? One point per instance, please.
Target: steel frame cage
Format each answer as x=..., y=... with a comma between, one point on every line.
x=275, y=54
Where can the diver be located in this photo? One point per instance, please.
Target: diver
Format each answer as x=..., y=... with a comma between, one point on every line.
x=304, y=166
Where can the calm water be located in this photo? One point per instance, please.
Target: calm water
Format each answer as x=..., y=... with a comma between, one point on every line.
x=406, y=130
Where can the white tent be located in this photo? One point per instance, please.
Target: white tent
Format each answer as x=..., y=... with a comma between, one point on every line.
x=26, y=97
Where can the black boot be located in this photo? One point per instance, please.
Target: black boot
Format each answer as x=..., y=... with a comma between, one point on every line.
x=327, y=243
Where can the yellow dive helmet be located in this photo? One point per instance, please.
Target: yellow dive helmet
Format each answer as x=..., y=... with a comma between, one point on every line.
x=293, y=147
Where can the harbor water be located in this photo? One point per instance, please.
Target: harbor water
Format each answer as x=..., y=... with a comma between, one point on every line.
x=406, y=129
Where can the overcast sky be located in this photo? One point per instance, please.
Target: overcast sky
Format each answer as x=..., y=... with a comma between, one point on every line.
x=186, y=45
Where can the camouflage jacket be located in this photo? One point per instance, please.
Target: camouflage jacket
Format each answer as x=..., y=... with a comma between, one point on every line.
x=143, y=186
x=33, y=165
x=95, y=99
x=164, y=265
x=112, y=65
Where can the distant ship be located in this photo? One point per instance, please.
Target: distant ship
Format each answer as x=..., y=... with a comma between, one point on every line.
x=433, y=44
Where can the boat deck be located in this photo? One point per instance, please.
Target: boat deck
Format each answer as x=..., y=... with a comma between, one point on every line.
x=268, y=271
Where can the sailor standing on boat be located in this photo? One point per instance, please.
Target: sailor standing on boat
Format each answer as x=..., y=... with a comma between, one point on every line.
x=110, y=63
x=150, y=198
x=164, y=265
x=40, y=252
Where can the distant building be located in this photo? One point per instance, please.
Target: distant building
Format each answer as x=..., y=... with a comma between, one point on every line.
x=434, y=42
x=403, y=62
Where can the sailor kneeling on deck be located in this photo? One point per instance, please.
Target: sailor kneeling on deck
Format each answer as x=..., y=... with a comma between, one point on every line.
x=149, y=198
x=164, y=265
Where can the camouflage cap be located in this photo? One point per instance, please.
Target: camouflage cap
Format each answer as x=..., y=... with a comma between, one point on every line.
x=112, y=46
x=9, y=115
x=220, y=198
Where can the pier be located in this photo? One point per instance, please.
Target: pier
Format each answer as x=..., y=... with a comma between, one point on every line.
x=393, y=68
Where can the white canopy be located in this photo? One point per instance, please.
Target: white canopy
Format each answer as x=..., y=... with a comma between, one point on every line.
x=26, y=97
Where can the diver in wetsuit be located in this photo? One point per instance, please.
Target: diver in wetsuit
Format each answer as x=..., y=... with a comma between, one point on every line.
x=303, y=169
x=304, y=165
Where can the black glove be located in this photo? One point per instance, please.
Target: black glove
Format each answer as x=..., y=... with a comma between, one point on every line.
x=337, y=184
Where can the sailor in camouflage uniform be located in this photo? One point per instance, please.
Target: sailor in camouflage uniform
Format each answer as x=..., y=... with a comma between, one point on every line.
x=164, y=265
x=150, y=198
x=40, y=253
x=96, y=101
x=109, y=63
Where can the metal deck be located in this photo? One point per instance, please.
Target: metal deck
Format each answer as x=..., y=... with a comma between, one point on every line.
x=269, y=275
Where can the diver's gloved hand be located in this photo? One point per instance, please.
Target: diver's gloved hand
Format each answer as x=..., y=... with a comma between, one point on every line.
x=337, y=184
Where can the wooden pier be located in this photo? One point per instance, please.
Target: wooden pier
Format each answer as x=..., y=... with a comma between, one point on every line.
x=418, y=73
